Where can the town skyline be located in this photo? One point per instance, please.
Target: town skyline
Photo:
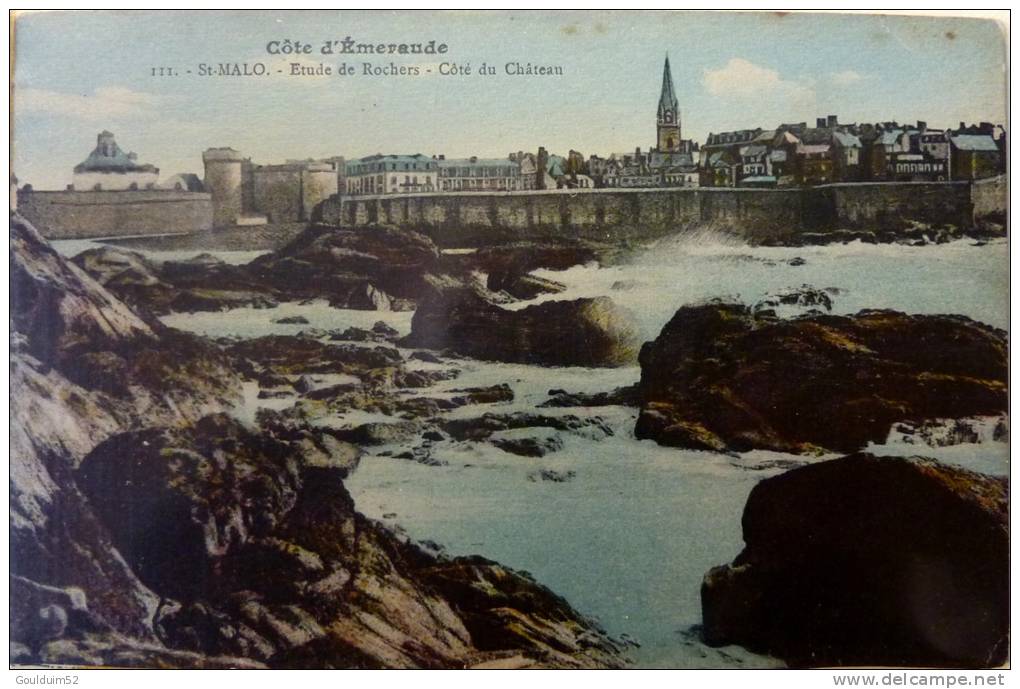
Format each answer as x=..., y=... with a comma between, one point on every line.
x=169, y=123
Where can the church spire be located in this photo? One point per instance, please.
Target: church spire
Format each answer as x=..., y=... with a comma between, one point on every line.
x=667, y=101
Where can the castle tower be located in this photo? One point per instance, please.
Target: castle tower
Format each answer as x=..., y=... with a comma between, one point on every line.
x=667, y=120
x=224, y=179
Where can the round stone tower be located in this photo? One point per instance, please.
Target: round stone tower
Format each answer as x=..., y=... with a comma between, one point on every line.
x=224, y=179
x=318, y=182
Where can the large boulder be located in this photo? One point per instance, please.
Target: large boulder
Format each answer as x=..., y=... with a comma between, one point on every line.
x=719, y=377
x=582, y=332
x=189, y=506
x=869, y=560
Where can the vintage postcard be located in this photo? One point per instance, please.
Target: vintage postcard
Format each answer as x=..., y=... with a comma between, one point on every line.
x=560, y=339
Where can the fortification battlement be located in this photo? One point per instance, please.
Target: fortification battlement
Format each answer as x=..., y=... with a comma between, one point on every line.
x=222, y=154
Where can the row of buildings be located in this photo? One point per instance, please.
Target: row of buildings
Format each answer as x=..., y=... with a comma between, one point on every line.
x=788, y=155
x=245, y=193
x=799, y=155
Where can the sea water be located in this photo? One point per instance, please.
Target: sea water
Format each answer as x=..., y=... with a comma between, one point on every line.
x=628, y=536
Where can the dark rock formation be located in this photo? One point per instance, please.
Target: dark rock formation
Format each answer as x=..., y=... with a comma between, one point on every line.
x=583, y=332
x=377, y=268
x=174, y=286
x=254, y=545
x=802, y=300
x=85, y=367
x=480, y=428
x=523, y=257
x=284, y=354
x=869, y=561
x=380, y=332
x=552, y=476
x=189, y=507
x=628, y=396
x=150, y=529
x=529, y=447
x=720, y=378
x=361, y=268
x=522, y=286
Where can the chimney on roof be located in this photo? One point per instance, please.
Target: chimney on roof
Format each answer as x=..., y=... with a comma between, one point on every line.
x=820, y=122
x=833, y=120
x=922, y=125
x=442, y=156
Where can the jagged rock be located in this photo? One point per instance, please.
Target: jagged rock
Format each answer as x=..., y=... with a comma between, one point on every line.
x=719, y=378
x=522, y=286
x=284, y=354
x=385, y=329
x=362, y=297
x=482, y=427
x=552, y=475
x=486, y=395
x=276, y=394
x=529, y=447
x=524, y=257
x=628, y=396
x=488, y=600
x=582, y=332
x=202, y=285
x=248, y=538
x=798, y=300
x=423, y=379
x=956, y=432
x=1001, y=430
x=380, y=332
x=192, y=300
x=869, y=561
x=427, y=357
x=624, y=285
x=379, y=433
x=118, y=267
x=56, y=306
x=292, y=320
x=83, y=368
x=364, y=268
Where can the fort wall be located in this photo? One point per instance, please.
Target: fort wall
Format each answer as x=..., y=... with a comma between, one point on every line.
x=757, y=215
x=990, y=197
x=82, y=214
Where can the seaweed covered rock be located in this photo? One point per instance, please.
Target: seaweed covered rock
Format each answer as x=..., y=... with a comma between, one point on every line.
x=869, y=560
x=719, y=377
x=254, y=545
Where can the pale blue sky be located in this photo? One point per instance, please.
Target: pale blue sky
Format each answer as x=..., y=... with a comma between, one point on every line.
x=77, y=73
